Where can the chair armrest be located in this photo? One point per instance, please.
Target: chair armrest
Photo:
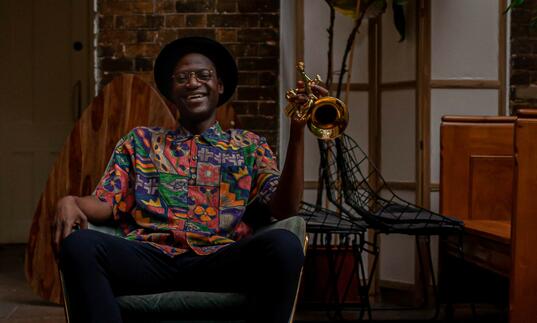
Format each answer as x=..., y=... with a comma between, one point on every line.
x=295, y=224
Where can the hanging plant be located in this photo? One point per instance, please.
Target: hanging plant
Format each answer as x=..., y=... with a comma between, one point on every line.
x=358, y=10
x=519, y=3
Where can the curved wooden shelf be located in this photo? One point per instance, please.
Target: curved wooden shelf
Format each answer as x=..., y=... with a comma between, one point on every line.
x=123, y=104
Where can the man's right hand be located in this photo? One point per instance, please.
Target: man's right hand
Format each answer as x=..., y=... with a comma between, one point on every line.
x=67, y=217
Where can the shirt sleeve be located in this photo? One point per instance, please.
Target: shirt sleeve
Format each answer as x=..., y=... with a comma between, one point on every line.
x=116, y=185
x=266, y=173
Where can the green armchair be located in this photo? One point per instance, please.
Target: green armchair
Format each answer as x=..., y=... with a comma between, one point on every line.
x=193, y=306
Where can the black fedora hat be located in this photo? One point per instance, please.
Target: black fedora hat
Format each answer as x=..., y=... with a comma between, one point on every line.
x=226, y=69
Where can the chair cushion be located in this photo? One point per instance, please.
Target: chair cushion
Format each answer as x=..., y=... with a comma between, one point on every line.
x=192, y=306
x=179, y=306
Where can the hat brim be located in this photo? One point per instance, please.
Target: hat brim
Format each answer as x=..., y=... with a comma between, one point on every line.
x=225, y=65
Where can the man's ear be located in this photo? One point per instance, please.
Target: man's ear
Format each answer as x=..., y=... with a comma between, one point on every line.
x=220, y=86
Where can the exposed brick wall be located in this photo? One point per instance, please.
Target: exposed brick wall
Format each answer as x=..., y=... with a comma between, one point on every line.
x=131, y=34
x=523, y=78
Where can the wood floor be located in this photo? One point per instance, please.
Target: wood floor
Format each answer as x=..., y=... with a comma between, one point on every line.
x=18, y=304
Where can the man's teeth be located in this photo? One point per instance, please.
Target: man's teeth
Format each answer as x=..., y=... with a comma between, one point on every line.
x=194, y=96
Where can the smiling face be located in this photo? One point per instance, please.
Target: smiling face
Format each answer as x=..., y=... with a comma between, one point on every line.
x=196, y=96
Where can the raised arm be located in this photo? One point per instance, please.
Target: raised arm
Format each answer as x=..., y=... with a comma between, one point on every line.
x=287, y=197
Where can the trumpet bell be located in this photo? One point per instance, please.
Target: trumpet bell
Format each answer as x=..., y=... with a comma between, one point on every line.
x=328, y=118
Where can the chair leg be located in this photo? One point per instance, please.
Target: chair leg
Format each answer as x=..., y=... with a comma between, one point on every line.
x=65, y=298
x=369, y=280
x=424, y=280
x=333, y=277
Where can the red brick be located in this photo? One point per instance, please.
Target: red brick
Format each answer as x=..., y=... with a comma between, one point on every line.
x=268, y=78
x=130, y=22
x=143, y=7
x=268, y=109
x=257, y=35
x=117, y=36
x=201, y=32
x=145, y=50
x=520, y=78
x=188, y=6
x=175, y=21
x=226, y=5
x=125, y=7
x=268, y=49
x=106, y=22
x=243, y=50
x=244, y=108
x=107, y=51
x=166, y=36
x=260, y=63
x=258, y=6
x=248, y=78
x=146, y=36
x=270, y=21
x=164, y=6
x=233, y=20
x=226, y=35
x=251, y=36
x=139, y=22
x=257, y=93
x=523, y=62
x=196, y=21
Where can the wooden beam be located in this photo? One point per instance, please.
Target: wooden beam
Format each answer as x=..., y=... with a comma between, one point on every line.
x=465, y=84
x=401, y=85
x=423, y=99
x=502, y=59
x=299, y=29
x=423, y=125
x=374, y=73
x=353, y=87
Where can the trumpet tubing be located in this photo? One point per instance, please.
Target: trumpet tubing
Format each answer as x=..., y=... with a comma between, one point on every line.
x=327, y=117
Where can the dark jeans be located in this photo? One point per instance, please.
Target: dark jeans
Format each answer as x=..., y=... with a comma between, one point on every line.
x=97, y=267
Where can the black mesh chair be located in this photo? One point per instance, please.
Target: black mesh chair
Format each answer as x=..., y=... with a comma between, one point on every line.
x=366, y=192
x=337, y=232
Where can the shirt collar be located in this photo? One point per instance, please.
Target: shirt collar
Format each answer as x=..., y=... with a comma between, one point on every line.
x=213, y=135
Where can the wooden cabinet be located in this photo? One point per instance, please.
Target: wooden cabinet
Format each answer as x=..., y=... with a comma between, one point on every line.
x=488, y=179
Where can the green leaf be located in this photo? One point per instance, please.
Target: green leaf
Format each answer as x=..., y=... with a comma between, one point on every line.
x=399, y=18
x=345, y=7
x=514, y=4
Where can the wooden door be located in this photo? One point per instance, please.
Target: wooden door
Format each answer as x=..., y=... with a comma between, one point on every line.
x=45, y=80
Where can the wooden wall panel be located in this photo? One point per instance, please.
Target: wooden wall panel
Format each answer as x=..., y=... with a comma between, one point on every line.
x=462, y=137
x=524, y=270
x=123, y=104
x=487, y=199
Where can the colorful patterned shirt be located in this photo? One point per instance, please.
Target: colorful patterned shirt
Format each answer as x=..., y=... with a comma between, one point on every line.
x=180, y=191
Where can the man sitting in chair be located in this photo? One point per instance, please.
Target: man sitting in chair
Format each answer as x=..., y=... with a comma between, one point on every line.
x=179, y=197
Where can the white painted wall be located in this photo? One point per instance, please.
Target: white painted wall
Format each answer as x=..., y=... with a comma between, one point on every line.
x=464, y=37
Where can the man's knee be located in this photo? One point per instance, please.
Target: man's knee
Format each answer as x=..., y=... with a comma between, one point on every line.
x=283, y=246
x=81, y=243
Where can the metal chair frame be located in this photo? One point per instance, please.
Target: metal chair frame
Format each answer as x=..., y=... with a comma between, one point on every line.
x=356, y=188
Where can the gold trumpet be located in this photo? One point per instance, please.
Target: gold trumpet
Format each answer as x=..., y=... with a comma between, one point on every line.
x=327, y=117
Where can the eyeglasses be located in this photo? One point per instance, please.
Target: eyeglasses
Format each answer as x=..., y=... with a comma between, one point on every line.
x=203, y=76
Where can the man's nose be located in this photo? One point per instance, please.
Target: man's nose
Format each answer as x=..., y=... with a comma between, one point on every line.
x=192, y=80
